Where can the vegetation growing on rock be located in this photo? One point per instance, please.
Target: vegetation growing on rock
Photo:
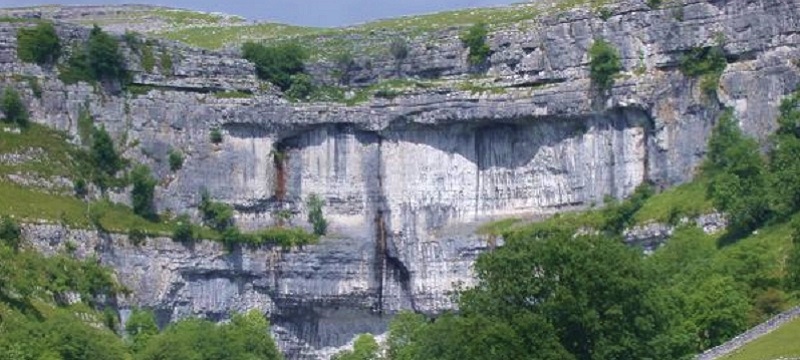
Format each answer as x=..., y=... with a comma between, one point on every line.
x=14, y=110
x=604, y=63
x=474, y=38
x=39, y=44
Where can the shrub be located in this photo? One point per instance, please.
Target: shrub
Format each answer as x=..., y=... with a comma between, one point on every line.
x=137, y=237
x=80, y=188
x=475, y=39
x=105, y=59
x=216, y=136
x=301, y=87
x=99, y=60
x=399, y=48
x=13, y=108
x=216, y=215
x=184, y=231
x=10, y=233
x=315, y=216
x=276, y=63
x=105, y=158
x=39, y=44
x=604, y=64
x=707, y=63
x=143, y=192
x=175, y=160
x=738, y=179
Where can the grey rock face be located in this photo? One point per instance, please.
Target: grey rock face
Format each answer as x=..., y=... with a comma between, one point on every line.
x=406, y=181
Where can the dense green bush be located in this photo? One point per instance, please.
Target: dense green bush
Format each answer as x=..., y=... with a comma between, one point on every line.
x=215, y=135
x=246, y=336
x=302, y=87
x=364, y=348
x=39, y=44
x=707, y=63
x=13, y=108
x=216, y=215
x=143, y=192
x=105, y=58
x=276, y=63
x=784, y=159
x=10, y=233
x=107, y=162
x=280, y=236
x=474, y=38
x=100, y=59
x=738, y=179
x=315, y=216
x=175, y=160
x=184, y=230
x=619, y=216
x=604, y=64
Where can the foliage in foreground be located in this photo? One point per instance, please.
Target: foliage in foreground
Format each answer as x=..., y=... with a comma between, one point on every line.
x=37, y=323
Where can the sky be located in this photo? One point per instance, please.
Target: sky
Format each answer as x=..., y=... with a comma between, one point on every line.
x=298, y=12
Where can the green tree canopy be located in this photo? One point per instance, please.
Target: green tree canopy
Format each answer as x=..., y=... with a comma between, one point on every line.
x=39, y=44
x=143, y=192
x=276, y=63
x=738, y=179
x=604, y=63
x=13, y=108
x=104, y=57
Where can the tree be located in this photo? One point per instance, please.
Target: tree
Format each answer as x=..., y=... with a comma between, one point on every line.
x=249, y=333
x=276, y=63
x=105, y=158
x=405, y=335
x=738, y=181
x=184, y=231
x=39, y=44
x=590, y=289
x=315, y=216
x=604, y=64
x=474, y=38
x=143, y=192
x=140, y=327
x=13, y=108
x=175, y=160
x=365, y=348
x=10, y=233
x=784, y=159
x=104, y=58
x=719, y=310
x=216, y=215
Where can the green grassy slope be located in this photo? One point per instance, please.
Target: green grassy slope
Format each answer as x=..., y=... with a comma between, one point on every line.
x=780, y=344
x=46, y=157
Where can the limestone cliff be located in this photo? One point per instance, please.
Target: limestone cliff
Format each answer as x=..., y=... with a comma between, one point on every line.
x=407, y=180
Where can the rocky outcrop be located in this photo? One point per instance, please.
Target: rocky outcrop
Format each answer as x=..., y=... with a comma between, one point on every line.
x=407, y=180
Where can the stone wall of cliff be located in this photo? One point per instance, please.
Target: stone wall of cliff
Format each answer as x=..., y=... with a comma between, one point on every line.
x=407, y=180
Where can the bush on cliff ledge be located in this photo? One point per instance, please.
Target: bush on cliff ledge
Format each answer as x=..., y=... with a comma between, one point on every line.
x=604, y=64
x=38, y=45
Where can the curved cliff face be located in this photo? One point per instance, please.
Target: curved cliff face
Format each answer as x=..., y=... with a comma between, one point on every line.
x=407, y=180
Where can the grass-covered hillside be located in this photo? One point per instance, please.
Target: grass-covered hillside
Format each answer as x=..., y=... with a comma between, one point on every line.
x=783, y=343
